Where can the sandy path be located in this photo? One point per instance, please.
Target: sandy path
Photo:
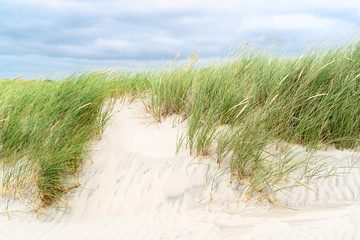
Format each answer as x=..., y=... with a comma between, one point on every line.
x=137, y=188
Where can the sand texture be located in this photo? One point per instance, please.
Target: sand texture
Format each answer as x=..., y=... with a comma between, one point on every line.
x=136, y=187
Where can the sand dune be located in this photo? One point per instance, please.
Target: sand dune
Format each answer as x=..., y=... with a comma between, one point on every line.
x=136, y=187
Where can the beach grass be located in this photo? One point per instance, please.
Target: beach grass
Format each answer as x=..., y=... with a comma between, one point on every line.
x=250, y=110
x=45, y=129
x=247, y=112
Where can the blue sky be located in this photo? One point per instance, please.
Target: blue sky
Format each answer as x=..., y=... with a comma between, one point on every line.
x=49, y=37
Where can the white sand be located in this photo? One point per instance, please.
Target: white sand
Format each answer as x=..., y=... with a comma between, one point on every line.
x=137, y=188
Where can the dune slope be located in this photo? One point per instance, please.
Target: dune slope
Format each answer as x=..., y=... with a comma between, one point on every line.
x=136, y=187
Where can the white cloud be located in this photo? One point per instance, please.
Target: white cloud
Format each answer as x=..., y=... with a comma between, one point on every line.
x=112, y=30
x=262, y=6
x=111, y=44
x=54, y=4
x=294, y=22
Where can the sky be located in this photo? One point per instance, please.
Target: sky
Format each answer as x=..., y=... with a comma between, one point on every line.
x=55, y=37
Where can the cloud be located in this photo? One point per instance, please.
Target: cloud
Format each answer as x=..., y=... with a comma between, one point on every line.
x=109, y=31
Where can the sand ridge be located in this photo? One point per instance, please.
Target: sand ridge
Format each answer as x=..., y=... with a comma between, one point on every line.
x=136, y=187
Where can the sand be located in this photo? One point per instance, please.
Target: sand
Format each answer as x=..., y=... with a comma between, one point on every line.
x=136, y=187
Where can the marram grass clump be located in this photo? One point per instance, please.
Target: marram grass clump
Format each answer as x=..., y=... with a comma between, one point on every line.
x=250, y=110
x=247, y=113
x=45, y=128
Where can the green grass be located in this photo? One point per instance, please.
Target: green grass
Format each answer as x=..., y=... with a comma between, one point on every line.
x=246, y=112
x=239, y=109
x=45, y=128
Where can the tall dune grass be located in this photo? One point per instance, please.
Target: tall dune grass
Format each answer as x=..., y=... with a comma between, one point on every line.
x=45, y=128
x=241, y=108
x=247, y=112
